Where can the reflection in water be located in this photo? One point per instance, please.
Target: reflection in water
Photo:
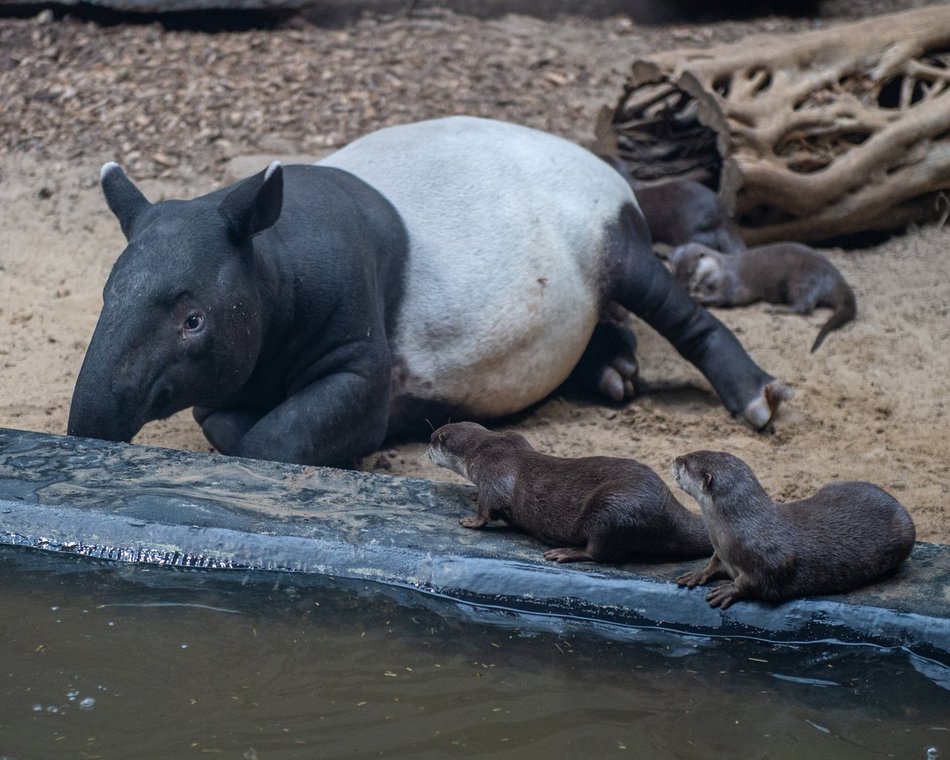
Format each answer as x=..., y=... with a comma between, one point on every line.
x=117, y=661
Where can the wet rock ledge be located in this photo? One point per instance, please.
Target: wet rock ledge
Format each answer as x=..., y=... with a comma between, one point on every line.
x=232, y=517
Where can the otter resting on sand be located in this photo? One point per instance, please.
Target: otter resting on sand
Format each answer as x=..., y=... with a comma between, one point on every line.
x=781, y=273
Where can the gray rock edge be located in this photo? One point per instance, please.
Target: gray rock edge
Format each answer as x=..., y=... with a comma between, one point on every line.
x=133, y=504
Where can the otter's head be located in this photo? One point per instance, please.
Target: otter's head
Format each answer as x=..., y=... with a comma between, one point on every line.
x=450, y=443
x=460, y=446
x=716, y=480
x=701, y=270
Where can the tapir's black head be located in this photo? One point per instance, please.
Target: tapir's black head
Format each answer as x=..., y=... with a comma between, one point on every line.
x=182, y=317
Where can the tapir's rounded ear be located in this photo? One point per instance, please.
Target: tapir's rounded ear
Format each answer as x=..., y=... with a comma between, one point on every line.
x=124, y=198
x=255, y=204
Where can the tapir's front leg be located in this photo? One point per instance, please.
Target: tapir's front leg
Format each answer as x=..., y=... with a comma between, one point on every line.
x=333, y=421
x=638, y=280
x=224, y=428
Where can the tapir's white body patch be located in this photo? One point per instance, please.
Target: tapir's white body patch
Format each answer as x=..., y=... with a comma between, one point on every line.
x=507, y=229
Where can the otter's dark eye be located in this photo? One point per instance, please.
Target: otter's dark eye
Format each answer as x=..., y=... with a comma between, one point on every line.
x=193, y=322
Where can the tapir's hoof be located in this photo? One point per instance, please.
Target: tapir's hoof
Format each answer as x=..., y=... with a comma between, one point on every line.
x=761, y=412
x=618, y=380
x=609, y=365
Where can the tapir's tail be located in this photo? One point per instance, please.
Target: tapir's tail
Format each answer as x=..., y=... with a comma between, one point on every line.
x=844, y=313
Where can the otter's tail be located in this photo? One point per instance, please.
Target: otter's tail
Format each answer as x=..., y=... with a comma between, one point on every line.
x=844, y=313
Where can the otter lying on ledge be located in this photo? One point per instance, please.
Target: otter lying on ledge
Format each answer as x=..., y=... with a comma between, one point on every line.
x=846, y=535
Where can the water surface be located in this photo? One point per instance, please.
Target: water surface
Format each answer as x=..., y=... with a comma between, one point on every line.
x=112, y=661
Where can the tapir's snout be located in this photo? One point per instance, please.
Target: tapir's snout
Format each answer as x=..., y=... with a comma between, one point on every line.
x=97, y=415
x=86, y=425
x=115, y=389
x=123, y=385
x=97, y=411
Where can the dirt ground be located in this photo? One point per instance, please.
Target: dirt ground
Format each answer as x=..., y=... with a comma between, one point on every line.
x=177, y=107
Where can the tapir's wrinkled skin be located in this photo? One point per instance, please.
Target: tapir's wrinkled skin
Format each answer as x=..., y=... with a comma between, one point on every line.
x=456, y=266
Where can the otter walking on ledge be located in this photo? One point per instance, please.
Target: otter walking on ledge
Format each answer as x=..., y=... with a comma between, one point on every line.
x=599, y=509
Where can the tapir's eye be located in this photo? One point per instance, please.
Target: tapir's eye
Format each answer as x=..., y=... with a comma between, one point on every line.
x=194, y=321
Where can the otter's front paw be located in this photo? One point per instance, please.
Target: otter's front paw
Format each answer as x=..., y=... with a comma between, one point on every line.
x=693, y=579
x=568, y=554
x=723, y=596
x=475, y=521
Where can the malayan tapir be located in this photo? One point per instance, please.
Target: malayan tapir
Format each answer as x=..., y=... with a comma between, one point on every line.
x=455, y=267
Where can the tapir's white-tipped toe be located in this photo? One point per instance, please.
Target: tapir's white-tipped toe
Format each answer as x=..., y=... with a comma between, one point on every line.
x=107, y=168
x=761, y=412
x=274, y=166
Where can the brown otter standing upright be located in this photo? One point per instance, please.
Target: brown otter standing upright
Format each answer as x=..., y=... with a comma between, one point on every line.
x=601, y=509
x=844, y=536
x=781, y=273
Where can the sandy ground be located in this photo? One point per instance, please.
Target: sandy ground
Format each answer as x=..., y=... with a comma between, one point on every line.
x=870, y=405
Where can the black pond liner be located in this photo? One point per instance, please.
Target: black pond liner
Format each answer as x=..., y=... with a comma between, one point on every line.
x=232, y=517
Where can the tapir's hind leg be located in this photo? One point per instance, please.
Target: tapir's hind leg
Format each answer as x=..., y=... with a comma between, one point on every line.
x=608, y=365
x=637, y=280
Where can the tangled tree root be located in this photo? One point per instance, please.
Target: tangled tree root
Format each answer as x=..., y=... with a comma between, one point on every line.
x=807, y=136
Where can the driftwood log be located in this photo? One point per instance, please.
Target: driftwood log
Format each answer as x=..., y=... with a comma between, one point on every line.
x=807, y=136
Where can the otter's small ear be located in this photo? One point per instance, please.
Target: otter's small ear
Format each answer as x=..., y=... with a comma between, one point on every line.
x=707, y=481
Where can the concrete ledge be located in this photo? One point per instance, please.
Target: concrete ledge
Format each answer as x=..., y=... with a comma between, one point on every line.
x=231, y=516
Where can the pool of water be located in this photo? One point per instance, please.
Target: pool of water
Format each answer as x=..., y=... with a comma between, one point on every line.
x=112, y=661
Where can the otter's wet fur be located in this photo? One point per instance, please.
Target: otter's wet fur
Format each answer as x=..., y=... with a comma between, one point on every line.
x=597, y=509
x=844, y=536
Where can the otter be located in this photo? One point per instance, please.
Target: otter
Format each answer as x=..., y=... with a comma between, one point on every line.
x=780, y=273
x=595, y=509
x=844, y=536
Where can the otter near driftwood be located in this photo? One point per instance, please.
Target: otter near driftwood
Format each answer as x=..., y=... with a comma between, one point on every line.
x=844, y=536
x=595, y=509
